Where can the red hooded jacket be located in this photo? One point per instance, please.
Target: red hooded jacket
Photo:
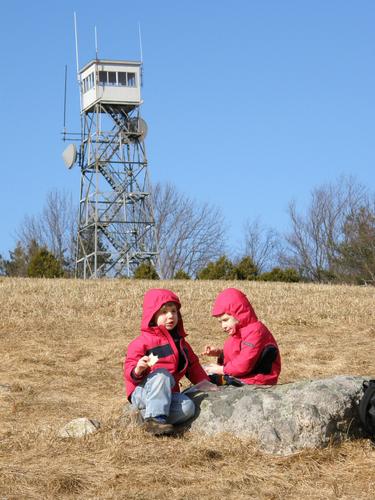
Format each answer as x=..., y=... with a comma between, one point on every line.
x=251, y=353
x=158, y=340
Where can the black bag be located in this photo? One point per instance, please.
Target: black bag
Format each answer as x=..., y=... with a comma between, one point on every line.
x=224, y=380
x=367, y=408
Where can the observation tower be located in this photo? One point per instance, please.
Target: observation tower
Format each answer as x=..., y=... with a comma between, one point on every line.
x=116, y=227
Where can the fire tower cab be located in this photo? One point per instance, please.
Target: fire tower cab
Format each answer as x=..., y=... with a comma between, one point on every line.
x=111, y=82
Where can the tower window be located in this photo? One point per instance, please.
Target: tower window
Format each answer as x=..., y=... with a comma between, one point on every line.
x=112, y=77
x=117, y=78
x=131, y=79
x=91, y=80
x=121, y=78
x=102, y=76
x=88, y=82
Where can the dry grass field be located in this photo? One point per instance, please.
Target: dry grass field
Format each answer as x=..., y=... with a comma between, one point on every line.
x=62, y=350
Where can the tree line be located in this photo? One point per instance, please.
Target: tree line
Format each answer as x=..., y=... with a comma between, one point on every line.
x=331, y=240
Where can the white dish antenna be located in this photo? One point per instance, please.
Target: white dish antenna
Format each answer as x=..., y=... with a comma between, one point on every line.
x=70, y=155
x=138, y=126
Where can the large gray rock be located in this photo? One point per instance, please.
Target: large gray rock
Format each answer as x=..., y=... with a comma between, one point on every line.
x=283, y=418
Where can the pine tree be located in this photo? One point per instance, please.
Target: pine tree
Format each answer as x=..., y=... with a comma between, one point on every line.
x=19, y=259
x=181, y=275
x=222, y=269
x=43, y=264
x=146, y=271
x=246, y=269
x=286, y=275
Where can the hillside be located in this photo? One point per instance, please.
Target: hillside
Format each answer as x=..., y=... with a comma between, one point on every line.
x=63, y=344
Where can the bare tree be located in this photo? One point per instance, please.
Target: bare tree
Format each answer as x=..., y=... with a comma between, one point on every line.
x=54, y=228
x=356, y=259
x=262, y=244
x=189, y=234
x=313, y=244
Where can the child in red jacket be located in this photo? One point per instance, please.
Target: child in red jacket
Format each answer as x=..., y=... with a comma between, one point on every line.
x=156, y=361
x=250, y=354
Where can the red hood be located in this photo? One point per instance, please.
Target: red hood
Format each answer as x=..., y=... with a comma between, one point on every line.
x=234, y=302
x=152, y=302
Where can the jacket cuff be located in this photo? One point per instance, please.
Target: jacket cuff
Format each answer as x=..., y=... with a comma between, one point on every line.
x=136, y=377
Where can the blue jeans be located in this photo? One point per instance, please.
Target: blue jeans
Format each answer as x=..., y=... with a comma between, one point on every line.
x=154, y=396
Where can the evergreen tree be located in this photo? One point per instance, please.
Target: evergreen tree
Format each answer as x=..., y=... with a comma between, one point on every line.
x=181, y=275
x=286, y=275
x=246, y=269
x=222, y=269
x=146, y=271
x=43, y=264
x=19, y=260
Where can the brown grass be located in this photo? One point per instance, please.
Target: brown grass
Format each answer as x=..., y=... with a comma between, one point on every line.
x=62, y=346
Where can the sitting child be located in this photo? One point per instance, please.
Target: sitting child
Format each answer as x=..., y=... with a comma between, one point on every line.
x=156, y=361
x=250, y=353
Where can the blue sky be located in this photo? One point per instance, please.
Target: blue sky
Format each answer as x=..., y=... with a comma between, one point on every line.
x=249, y=104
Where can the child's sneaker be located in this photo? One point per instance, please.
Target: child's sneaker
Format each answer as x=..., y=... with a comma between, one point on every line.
x=158, y=426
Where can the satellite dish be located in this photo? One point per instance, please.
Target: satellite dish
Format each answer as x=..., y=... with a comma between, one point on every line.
x=70, y=155
x=138, y=126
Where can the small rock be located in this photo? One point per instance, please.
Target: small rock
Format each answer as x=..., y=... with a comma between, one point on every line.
x=79, y=427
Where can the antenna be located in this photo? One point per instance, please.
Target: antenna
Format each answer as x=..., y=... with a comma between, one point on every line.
x=140, y=41
x=76, y=39
x=66, y=75
x=96, y=44
x=70, y=155
x=77, y=62
x=141, y=51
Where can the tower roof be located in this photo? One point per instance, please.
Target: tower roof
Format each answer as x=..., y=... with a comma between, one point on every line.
x=110, y=62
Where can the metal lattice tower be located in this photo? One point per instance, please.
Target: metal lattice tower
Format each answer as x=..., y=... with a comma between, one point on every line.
x=116, y=230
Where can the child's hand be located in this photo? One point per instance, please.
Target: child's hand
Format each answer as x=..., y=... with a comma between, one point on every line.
x=211, y=351
x=141, y=365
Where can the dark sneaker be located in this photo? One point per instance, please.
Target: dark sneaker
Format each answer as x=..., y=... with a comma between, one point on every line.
x=157, y=427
